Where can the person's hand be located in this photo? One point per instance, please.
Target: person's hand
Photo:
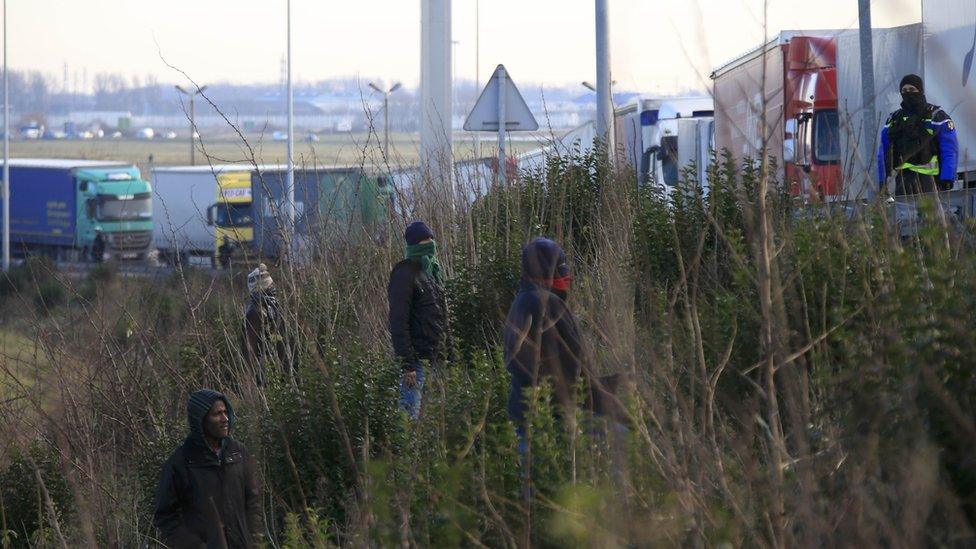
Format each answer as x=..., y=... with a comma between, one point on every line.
x=410, y=379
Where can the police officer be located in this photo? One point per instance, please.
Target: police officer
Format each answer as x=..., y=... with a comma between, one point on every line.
x=918, y=144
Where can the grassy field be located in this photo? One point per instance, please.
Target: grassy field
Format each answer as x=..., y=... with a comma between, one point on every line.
x=330, y=150
x=21, y=360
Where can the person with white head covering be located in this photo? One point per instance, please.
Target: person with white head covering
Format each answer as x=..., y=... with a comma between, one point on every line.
x=264, y=326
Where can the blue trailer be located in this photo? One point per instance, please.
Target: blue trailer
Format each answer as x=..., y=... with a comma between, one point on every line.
x=76, y=209
x=330, y=203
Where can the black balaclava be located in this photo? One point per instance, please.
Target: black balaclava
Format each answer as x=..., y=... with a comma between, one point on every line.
x=914, y=101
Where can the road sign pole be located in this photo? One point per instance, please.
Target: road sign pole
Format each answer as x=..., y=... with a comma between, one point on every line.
x=494, y=111
x=501, y=76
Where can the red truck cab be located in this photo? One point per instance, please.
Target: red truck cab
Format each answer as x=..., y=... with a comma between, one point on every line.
x=811, y=145
x=780, y=101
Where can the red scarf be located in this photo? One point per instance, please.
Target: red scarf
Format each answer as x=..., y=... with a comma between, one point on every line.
x=561, y=283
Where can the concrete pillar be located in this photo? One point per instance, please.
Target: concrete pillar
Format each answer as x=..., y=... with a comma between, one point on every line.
x=435, y=92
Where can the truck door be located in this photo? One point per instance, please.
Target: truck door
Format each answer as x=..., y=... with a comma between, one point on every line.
x=86, y=208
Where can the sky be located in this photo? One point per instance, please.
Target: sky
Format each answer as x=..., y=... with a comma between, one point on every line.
x=656, y=45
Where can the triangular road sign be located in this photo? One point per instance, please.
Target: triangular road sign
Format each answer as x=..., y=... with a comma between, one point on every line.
x=484, y=115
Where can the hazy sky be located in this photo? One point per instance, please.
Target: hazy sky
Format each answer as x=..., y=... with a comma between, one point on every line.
x=657, y=45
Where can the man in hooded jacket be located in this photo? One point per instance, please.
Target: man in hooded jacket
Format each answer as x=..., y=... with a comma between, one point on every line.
x=918, y=144
x=542, y=340
x=208, y=493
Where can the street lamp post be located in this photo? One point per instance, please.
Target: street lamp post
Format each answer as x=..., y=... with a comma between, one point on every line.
x=454, y=79
x=386, y=115
x=193, y=123
x=590, y=86
x=867, y=84
x=604, y=108
x=290, y=233
x=6, y=151
x=477, y=63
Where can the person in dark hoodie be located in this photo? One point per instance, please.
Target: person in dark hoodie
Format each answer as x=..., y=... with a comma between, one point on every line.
x=418, y=320
x=918, y=144
x=542, y=340
x=208, y=493
x=265, y=334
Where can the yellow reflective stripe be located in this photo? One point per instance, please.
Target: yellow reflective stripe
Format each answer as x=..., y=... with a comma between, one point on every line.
x=932, y=168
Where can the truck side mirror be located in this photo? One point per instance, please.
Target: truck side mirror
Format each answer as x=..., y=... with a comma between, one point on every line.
x=789, y=151
x=90, y=208
x=210, y=215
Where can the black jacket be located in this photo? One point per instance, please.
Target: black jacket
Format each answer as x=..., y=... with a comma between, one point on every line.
x=206, y=501
x=542, y=340
x=418, y=315
x=264, y=330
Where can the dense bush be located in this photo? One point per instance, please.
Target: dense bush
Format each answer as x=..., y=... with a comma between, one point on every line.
x=793, y=377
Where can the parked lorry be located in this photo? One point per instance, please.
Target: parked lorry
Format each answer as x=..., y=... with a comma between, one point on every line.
x=232, y=216
x=79, y=209
x=780, y=100
x=331, y=204
x=800, y=96
x=647, y=136
x=197, y=206
x=657, y=138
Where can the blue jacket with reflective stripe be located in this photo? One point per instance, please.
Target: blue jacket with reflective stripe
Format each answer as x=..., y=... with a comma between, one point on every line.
x=944, y=131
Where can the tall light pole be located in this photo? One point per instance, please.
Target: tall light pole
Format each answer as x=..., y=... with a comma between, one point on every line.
x=477, y=66
x=454, y=79
x=386, y=116
x=867, y=85
x=592, y=87
x=290, y=177
x=6, y=150
x=604, y=106
x=193, y=123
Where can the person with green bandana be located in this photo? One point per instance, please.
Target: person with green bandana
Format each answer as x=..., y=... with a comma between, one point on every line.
x=419, y=326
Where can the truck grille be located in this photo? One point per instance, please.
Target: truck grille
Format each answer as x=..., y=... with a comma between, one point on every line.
x=133, y=240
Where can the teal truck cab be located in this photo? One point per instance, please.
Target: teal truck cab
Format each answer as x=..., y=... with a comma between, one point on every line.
x=77, y=209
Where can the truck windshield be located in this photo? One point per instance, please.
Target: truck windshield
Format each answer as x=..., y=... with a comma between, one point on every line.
x=234, y=215
x=669, y=159
x=124, y=207
x=826, y=125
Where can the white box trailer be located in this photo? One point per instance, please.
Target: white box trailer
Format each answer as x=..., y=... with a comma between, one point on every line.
x=949, y=44
x=897, y=52
x=181, y=197
x=936, y=49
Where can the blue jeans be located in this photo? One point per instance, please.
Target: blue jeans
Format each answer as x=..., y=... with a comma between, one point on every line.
x=410, y=397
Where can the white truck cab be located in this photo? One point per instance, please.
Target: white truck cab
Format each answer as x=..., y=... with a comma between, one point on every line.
x=659, y=137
